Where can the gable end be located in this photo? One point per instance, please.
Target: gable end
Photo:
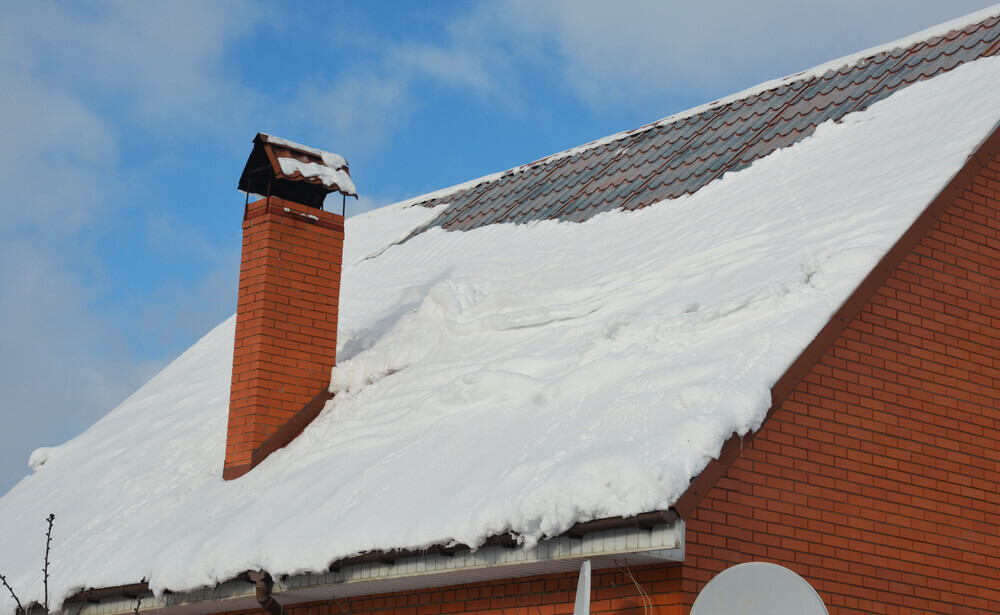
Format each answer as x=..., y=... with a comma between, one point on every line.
x=977, y=167
x=877, y=473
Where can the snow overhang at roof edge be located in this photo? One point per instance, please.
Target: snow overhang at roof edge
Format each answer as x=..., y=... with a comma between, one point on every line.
x=644, y=539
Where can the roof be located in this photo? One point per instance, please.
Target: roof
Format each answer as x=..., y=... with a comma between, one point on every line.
x=298, y=161
x=681, y=154
x=290, y=170
x=525, y=377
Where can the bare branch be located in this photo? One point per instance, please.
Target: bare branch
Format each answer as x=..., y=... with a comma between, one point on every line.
x=20, y=609
x=138, y=601
x=347, y=611
x=45, y=570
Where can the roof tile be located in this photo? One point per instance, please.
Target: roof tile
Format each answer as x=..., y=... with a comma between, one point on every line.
x=667, y=159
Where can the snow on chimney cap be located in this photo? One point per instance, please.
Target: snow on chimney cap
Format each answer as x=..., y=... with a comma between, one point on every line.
x=294, y=172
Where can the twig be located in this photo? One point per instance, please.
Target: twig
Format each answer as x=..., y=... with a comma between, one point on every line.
x=342, y=609
x=138, y=601
x=624, y=597
x=647, y=602
x=45, y=570
x=20, y=609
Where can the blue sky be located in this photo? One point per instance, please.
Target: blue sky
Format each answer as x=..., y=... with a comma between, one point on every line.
x=125, y=126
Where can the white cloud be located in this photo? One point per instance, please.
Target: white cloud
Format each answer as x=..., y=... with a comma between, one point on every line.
x=373, y=98
x=629, y=51
x=359, y=113
x=480, y=52
x=166, y=235
x=163, y=61
x=70, y=74
x=452, y=66
x=55, y=150
x=175, y=309
x=58, y=371
x=625, y=54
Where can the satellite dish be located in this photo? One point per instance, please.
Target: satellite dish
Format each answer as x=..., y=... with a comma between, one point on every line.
x=582, y=606
x=758, y=588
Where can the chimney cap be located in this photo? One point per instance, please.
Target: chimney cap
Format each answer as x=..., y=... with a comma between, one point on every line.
x=294, y=172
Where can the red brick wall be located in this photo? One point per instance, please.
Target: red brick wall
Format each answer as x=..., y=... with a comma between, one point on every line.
x=286, y=319
x=878, y=480
x=612, y=593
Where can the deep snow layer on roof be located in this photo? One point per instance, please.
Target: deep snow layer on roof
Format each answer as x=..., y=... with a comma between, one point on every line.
x=512, y=377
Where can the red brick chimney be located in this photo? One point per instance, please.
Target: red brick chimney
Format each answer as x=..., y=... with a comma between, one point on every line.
x=286, y=315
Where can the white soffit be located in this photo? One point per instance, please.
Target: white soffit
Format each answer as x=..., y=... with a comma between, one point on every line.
x=623, y=547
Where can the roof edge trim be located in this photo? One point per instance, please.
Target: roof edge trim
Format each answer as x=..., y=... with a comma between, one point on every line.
x=643, y=521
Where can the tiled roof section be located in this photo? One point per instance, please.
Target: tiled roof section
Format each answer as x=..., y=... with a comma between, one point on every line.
x=667, y=159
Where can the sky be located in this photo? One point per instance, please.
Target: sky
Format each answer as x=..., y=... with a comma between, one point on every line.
x=125, y=126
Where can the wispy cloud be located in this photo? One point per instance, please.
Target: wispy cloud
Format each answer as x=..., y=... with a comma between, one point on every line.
x=375, y=95
x=626, y=52
x=358, y=113
x=162, y=62
x=55, y=151
x=449, y=65
x=62, y=365
x=75, y=75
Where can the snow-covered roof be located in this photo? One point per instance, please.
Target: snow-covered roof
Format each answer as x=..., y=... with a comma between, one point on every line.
x=331, y=160
x=511, y=377
x=295, y=162
x=331, y=169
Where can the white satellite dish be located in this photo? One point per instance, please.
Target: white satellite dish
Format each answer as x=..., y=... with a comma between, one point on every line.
x=758, y=588
x=582, y=606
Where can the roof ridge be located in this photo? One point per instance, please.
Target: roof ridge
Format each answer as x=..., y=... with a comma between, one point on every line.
x=977, y=18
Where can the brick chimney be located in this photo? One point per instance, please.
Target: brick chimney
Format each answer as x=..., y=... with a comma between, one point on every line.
x=286, y=315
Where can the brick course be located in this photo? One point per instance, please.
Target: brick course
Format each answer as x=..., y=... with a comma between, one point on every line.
x=286, y=319
x=612, y=592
